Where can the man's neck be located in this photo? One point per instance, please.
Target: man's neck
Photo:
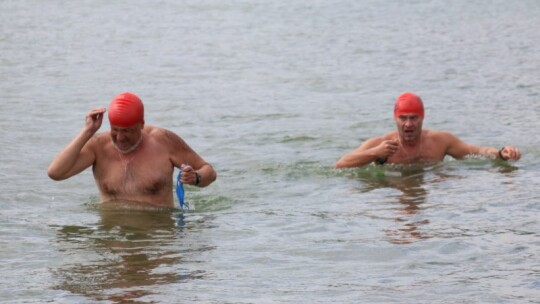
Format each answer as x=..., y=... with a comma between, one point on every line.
x=411, y=142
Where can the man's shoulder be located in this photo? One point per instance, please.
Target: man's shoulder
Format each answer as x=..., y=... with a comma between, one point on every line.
x=440, y=136
x=388, y=136
x=156, y=131
x=100, y=138
x=150, y=128
x=437, y=133
x=373, y=141
x=101, y=143
x=162, y=135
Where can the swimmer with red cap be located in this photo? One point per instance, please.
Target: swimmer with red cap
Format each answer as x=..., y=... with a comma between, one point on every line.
x=132, y=163
x=411, y=144
x=126, y=112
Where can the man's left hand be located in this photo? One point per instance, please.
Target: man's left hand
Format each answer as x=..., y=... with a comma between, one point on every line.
x=189, y=175
x=510, y=153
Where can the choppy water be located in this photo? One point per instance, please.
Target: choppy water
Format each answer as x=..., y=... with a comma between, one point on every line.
x=273, y=93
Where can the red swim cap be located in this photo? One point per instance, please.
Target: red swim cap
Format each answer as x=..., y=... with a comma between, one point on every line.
x=126, y=110
x=408, y=103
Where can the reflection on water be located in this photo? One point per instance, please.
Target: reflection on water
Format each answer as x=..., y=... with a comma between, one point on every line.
x=127, y=251
x=272, y=93
x=410, y=181
x=413, y=183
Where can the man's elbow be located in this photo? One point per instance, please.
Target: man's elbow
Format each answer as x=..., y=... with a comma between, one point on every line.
x=211, y=178
x=340, y=164
x=54, y=175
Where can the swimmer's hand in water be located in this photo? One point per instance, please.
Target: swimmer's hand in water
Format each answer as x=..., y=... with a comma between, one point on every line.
x=189, y=175
x=509, y=153
x=94, y=118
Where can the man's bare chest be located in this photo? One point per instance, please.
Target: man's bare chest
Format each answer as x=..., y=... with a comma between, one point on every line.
x=426, y=153
x=134, y=176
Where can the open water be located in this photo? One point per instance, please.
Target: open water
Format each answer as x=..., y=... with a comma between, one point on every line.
x=272, y=93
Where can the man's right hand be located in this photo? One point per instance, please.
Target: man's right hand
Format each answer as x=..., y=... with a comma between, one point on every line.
x=387, y=147
x=94, y=118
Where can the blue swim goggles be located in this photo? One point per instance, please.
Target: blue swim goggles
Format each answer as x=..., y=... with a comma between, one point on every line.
x=180, y=192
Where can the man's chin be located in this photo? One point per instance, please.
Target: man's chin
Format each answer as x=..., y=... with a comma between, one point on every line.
x=409, y=137
x=128, y=149
x=125, y=149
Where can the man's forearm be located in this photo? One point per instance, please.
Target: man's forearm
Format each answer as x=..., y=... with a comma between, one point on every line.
x=356, y=159
x=207, y=175
x=490, y=152
x=66, y=159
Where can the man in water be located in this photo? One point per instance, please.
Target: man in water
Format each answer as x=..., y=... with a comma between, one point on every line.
x=412, y=144
x=132, y=162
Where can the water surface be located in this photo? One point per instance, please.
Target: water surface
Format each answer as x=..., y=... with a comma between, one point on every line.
x=272, y=93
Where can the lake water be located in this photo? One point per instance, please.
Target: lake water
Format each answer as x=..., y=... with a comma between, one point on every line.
x=272, y=93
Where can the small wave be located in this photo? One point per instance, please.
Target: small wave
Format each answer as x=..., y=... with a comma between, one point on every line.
x=294, y=139
x=208, y=203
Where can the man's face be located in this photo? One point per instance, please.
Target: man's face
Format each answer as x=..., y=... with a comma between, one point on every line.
x=409, y=126
x=126, y=139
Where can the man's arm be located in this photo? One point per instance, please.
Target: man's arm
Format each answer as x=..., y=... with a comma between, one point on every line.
x=206, y=172
x=77, y=155
x=371, y=150
x=191, y=163
x=459, y=149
